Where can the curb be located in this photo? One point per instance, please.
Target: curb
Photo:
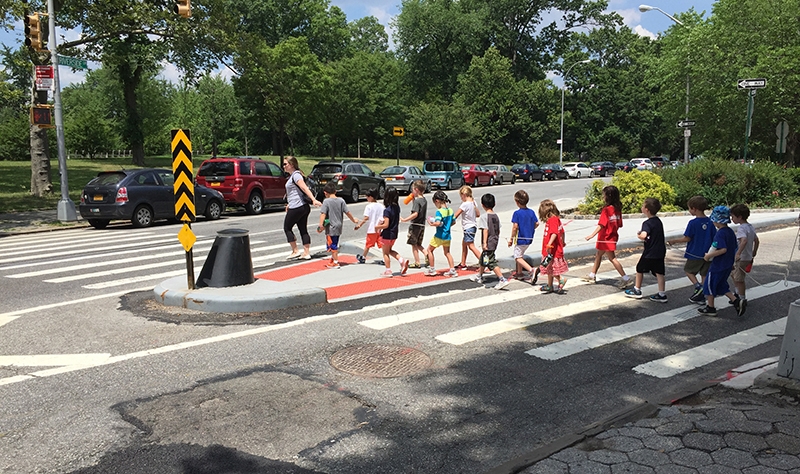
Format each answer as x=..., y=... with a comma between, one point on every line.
x=262, y=295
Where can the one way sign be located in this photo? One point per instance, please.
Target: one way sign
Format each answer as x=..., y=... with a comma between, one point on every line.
x=752, y=83
x=686, y=123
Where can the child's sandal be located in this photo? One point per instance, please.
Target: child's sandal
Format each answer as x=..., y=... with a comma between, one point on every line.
x=546, y=289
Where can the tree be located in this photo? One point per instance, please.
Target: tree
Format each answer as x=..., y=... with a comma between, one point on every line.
x=88, y=124
x=367, y=35
x=442, y=131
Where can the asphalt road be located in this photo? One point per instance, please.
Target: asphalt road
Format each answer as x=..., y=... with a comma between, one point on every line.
x=182, y=393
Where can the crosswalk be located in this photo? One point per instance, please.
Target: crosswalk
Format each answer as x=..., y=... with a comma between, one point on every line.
x=664, y=367
x=104, y=259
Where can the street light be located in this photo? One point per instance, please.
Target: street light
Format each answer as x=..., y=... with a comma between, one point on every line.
x=647, y=8
x=563, y=87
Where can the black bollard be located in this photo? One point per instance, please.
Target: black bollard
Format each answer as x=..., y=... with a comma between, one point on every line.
x=228, y=262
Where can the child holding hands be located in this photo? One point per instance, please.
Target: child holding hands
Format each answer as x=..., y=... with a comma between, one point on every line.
x=490, y=235
x=654, y=253
x=443, y=221
x=333, y=210
x=416, y=231
x=553, y=263
x=607, y=231
x=469, y=213
x=389, y=229
x=373, y=213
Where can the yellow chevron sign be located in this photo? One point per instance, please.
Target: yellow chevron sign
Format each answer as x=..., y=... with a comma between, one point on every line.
x=183, y=187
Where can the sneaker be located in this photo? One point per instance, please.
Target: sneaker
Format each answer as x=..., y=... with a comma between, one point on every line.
x=659, y=298
x=698, y=298
x=430, y=272
x=737, y=303
x=460, y=267
x=589, y=279
x=452, y=273
x=388, y=274
x=414, y=265
x=476, y=278
x=306, y=257
x=697, y=290
x=361, y=259
x=735, y=297
x=742, y=307
x=332, y=265
x=710, y=310
x=633, y=293
x=403, y=267
x=502, y=284
x=624, y=284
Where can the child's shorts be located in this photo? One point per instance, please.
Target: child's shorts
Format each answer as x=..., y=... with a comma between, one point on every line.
x=716, y=283
x=386, y=243
x=437, y=242
x=740, y=270
x=607, y=246
x=373, y=240
x=332, y=242
x=694, y=266
x=415, y=234
x=519, y=250
x=651, y=265
x=557, y=267
x=469, y=235
x=488, y=259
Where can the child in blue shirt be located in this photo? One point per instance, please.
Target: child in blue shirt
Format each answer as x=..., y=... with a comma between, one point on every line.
x=443, y=221
x=698, y=236
x=721, y=255
x=524, y=222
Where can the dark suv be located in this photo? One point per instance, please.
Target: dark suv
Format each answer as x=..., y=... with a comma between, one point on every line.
x=353, y=179
x=244, y=181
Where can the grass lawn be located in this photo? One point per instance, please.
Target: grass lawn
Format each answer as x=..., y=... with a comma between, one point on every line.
x=15, y=177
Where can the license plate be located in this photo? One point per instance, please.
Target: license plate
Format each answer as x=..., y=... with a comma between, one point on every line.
x=389, y=179
x=323, y=181
x=95, y=210
x=97, y=197
x=214, y=185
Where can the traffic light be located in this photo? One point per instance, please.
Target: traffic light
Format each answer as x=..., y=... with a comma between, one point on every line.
x=184, y=8
x=33, y=32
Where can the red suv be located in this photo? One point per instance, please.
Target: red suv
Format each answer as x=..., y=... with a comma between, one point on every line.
x=244, y=181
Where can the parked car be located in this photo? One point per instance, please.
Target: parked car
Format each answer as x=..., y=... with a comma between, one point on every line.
x=528, y=172
x=403, y=177
x=554, y=171
x=353, y=179
x=577, y=169
x=244, y=181
x=443, y=174
x=642, y=163
x=477, y=175
x=625, y=166
x=603, y=168
x=141, y=196
x=501, y=174
x=659, y=161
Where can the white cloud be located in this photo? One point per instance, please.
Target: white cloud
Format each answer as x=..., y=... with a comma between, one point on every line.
x=642, y=31
x=630, y=16
x=170, y=73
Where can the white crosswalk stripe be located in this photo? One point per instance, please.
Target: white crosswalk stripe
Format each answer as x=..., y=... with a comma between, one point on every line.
x=610, y=335
x=83, y=251
x=464, y=336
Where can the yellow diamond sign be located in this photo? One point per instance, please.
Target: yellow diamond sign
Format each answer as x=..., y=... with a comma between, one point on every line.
x=187, y=237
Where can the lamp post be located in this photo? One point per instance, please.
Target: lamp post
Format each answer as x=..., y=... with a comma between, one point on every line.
x=563, y=88
x=686, y=132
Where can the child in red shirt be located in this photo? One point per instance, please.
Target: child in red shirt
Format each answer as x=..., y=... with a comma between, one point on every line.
x=607, y=232
x=553, y=263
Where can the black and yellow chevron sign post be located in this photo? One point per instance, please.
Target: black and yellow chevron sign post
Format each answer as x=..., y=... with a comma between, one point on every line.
x=183, y=188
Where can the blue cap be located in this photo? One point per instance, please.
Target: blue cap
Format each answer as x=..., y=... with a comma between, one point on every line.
x=721, y=215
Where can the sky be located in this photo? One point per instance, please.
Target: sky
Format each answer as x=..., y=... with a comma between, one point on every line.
x=646, y=24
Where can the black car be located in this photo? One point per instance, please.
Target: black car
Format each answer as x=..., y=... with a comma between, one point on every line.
x=625, y=166
x=141, y=196
x=554, y=171
x=527, y=172
x=603, y=168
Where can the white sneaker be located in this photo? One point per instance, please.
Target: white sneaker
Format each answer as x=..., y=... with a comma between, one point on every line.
x=589, y=279
x=476, y=278
x=502, y=284
x=430, y=272
x=452, y=273
x=624, y=284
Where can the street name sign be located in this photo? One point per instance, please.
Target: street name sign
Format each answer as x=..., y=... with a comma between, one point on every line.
x=752, y=83
x=686, y=123
x=75, y=63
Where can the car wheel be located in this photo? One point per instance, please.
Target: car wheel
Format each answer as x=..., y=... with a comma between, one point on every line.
x=410, y=188
x=527, y=179
x=353, y=195
x=142, y=216
x=578, y=174
x=255, y=204
x=99, y=223
x=605, y=173
x=213, y=210
x=514, y=179
x=475, y=183
x=491, y=181
x=500, y=180
x=381, y=191
x=449, y=185
x=428, y=187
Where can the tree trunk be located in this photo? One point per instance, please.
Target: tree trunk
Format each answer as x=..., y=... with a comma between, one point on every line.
x=280, y=140
x=133, y=122
x=41, y=183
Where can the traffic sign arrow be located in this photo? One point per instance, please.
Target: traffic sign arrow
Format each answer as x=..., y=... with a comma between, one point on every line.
x=686, y=123
x=752, y=83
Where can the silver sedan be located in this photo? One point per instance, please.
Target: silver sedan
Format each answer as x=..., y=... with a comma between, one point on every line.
x=403, y=177
x=501, y=174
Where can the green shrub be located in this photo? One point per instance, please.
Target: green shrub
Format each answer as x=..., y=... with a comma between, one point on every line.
x=634, y=188
x=728, y=182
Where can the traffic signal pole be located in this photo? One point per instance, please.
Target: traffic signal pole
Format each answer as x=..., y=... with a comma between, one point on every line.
x=66, y=208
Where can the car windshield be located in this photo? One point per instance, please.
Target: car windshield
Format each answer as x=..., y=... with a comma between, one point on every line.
x=108, y=178
x=570, y=164
x=216, y=168
x=548, y=167
x=466, y=167
x=327, y=169
x=517, y=167
x=394, y=170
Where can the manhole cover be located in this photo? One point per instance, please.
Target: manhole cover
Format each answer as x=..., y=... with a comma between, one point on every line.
x=380, y=361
